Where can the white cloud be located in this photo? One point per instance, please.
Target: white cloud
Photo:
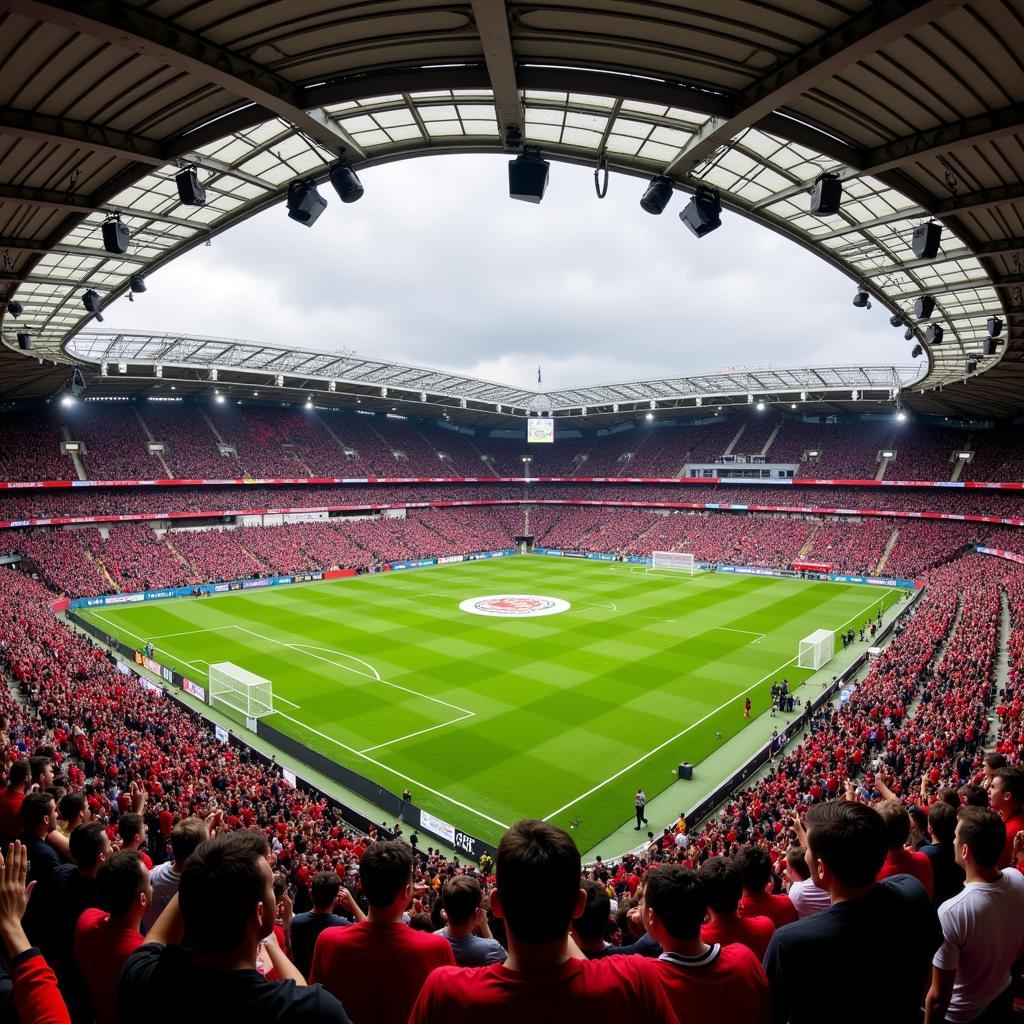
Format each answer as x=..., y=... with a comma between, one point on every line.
x=436, y=266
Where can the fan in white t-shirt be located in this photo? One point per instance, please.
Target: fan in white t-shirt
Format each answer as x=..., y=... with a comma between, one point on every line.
x=982, y=927
x=806, y=897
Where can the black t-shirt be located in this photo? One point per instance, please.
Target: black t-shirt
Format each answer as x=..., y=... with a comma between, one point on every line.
x=161, y=985
x=949, y=876
x=863, y=960
x=306, y=929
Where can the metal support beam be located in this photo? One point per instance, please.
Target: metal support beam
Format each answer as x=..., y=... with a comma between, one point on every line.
x=491, y=18
x=136, y=30
x=910, y=213
x=27, y=245
x=979, y=200
x=31, y=125
x=48, y=198
x=939, y=289
x=863, y=34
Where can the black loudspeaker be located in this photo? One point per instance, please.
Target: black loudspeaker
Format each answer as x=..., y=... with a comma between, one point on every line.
x=657, y=195
x=346, y=183
x=190, y=189
x=924, y=307
x=925, y=242
x=995, y=326
x=703, y=212
x=305, y=204
x=827, y=195
x=528, y=177
x=115, y=236
x=24, y=342
x=934, y=335
x=14, y=308
x=686, y=770
x=991, y=347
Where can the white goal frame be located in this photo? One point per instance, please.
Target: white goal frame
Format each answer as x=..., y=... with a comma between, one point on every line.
x=817, y=649
x=674, y=561
x=246, y=692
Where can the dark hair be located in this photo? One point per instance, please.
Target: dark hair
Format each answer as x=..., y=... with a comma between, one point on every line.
x=220, y=884
x=72, y=805
x=186, y=836
x=973, y=796
x=949, y=795
x=679, y=898
x=421, y=922
x=129, y=826
x=754, y=866
x=461, y=897
x=1013, y=782
x=593, y=922
x=994, y=761
x=34, y=810
x=87, y=842
x=942, y=822
x=19, y=773
x=796, y=858
x=722, y=884
x=120, y=880
x=851, y=838
x=984, y=834
x=538, y=877
x=384, y=870
x=325, y=889
x=38, y=765
x=897, y=822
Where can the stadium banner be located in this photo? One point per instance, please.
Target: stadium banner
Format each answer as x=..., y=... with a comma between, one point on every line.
x=413, y=563
x=197, y=691
x=449, y=559
x=437, y=827
x=220, y=733
x=1010, y=556
x=477, y=555
x=601, y=556
x=338, y=574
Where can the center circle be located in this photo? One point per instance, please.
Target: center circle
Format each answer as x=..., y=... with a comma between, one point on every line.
x=514, y=606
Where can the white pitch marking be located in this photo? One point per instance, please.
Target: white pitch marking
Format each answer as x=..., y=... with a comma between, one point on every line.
x=419, y=732
x=600, y=604
x=118, y=627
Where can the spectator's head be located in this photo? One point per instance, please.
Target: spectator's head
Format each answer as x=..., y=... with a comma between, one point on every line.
x=941, y=822
x=674, y=904
x=723, y=886
x=980, y=838
x=949, y=795
x=74, y=809
x=90, y=847
x=123, y=884
x=42, y=772
x=846, y=845
x=226, y=894
x=991, y=763
x=186, y=836
x=973, y=796
x=19, y=775
x=38, y=814
x=755, y=868
x=897, y=822
x=1006, y=793
x=590, y=925
x=326, y=885
x=461, y=898
x=132, y=830
x=385, y=872
x=796, y=864
x=538, y=882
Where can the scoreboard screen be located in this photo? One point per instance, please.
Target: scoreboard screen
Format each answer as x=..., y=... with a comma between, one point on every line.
x=540, y=431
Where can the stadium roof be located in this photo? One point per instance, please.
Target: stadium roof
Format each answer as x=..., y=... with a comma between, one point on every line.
x=125, y=363
x=916, y=105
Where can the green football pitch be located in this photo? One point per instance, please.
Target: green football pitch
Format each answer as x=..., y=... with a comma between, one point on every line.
x=491, y=719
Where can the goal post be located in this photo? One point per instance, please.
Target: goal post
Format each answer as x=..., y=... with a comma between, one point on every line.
x=817, y=649
x=676, y=561
x=241, y=690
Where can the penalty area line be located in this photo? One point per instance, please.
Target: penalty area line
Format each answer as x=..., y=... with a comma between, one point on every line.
x=419, y=732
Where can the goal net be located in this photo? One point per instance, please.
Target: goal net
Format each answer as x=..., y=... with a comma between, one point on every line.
x=817, y=649
x=675, y=560
x=244, y=691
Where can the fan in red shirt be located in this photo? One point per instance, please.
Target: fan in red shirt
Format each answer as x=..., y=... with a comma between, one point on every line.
x=1006, y=798
x=103, y=941
x=11, y=800
x=377, y=967
x=723, y=888
x=900, y=860
x=715, y=984
x=545, y=977
x=755, y=868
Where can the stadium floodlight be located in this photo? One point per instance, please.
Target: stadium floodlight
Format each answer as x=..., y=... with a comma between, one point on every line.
x=862, y=300
x=657, y=195
x=703, y=213
x=219, y=398
x=528, y=176
x=925, y=240
x=93, y=303
x=827, y=195
x=309, y=401
x=760, y=406
x=924, y=306
x=14, y=309
x=346, y=182
x=649, y=416
x=305, y=204
x=793, y=405
x=901, y=415
x=994, y=325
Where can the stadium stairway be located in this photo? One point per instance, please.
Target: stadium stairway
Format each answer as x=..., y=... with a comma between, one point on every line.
x=76, y=459
x=168, y=474
x=181, y=558
x=771, y=439
x=735, y=440
x=887, y=552
x=98, y=562
x=809, y=543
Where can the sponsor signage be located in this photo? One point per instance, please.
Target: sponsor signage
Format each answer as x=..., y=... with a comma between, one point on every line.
x=194, y=688
x=438, y=827
x=514, y=606
x=220, y=734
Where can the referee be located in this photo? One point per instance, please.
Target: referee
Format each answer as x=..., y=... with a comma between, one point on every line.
x=641, y=802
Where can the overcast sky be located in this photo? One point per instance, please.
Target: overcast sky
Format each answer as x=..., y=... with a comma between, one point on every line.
x=437, y=266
